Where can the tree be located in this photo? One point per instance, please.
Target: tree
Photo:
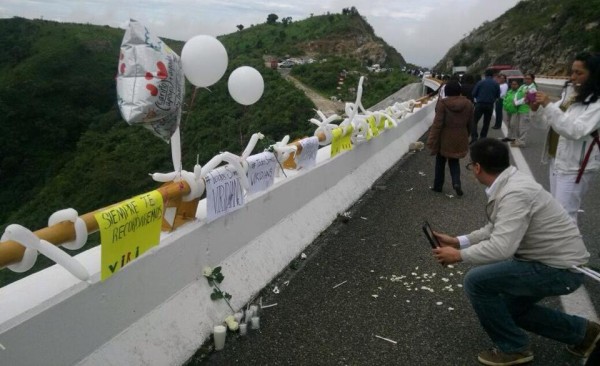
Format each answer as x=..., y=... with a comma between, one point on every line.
x=240, y=27
x=272, y=18
x=285, y=21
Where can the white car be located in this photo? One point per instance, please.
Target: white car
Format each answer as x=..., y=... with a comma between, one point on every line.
x=286, y=64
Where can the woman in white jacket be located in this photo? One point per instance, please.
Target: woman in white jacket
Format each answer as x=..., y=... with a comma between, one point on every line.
x=574, y=118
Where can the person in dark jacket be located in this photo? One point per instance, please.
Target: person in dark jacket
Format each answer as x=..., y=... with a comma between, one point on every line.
x=485, y=93
x=449, y=135
x=467, y=85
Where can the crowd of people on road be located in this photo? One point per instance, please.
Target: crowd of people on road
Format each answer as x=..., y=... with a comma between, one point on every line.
x=531, y=247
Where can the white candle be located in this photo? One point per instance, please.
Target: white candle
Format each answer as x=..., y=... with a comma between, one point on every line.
x=255, y=322
x=248, y=316
x=243, y=329
x=238, y=317
x=219, y=334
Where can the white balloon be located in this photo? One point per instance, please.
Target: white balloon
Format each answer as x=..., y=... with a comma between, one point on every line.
x=204, y=60
x=246, y=85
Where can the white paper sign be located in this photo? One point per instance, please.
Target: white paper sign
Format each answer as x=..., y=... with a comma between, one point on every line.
x=308, y=157
x=261, y=171
x=224, y=192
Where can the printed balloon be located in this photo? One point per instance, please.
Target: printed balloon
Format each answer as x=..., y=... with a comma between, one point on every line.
x=150, y=82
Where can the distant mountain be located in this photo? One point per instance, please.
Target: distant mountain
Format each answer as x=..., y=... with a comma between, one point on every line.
x=536, y=36
x=346, y=35
x=64, y=144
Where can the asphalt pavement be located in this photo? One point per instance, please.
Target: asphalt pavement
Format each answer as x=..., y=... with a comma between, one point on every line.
x=369, y=291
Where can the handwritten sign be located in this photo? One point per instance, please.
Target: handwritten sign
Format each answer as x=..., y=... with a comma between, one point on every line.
x=308, y=157
x=341, y=142
x=224, y=192
x=127, y=230
x=261, y=171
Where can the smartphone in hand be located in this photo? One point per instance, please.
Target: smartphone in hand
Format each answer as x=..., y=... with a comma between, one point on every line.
x=433, y=241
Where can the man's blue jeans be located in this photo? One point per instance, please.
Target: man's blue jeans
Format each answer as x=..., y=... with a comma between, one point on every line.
x=505, y=294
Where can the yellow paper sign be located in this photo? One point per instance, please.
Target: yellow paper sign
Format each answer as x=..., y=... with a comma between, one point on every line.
x=341, y=142
x=373, y=125
x=383, y=123
x=128, y=229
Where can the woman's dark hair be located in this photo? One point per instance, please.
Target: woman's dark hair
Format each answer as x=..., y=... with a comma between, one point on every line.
x=452, y=88
x=468, y=79
x=490, y=154
x=588, y=91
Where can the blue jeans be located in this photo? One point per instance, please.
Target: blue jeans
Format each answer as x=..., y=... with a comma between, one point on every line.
x=504, y=296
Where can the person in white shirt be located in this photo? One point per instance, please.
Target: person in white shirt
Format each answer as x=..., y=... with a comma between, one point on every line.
x=575, y=119
x=500, y=101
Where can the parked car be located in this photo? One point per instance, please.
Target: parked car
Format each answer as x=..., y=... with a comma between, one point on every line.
x=286, y=64
x=512, y=75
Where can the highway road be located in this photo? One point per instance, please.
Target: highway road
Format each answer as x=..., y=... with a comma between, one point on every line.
x=369, y=292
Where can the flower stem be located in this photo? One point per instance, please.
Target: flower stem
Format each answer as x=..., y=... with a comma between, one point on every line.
x=224, y=298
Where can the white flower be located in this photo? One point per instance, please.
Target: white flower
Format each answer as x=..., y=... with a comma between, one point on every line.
x=207, y=271
x=232, y=324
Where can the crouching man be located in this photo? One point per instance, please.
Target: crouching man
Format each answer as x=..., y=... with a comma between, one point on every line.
x=525, y=253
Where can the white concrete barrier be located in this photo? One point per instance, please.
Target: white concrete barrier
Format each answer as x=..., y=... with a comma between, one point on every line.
x=157, y=310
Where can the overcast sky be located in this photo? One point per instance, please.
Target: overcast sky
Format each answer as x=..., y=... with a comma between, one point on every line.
x=421, y=30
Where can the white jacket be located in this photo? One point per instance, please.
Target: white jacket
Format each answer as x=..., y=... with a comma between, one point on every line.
x=525, y=223
x=574, y=127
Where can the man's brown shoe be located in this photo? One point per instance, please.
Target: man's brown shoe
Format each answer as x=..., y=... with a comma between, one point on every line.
x=592, y=335
x=496, y=357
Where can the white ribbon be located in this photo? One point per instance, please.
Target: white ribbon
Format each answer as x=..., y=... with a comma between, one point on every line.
x=81, y=232
x=195, y=180
x=33, y=244
x=324, y=126
x=283, y=150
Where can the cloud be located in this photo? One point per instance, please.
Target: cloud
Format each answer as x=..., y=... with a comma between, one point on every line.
x=421, y=30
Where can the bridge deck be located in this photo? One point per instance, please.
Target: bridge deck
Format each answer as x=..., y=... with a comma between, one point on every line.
x=388, y=284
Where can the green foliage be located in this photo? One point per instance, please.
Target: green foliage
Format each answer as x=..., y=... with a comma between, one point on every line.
x=269, y=38
x=215, y=277
x=540, y=28
x=272, y=18
x=325, y=77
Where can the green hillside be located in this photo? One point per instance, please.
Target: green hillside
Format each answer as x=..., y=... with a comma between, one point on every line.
x=64, y=144
x=536, y=36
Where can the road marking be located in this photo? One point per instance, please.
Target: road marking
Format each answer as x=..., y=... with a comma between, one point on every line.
x=2, y=346
x=578, y=302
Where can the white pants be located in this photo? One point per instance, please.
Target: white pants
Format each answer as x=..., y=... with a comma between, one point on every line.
x=512, y=126
x=568, y=193
x=522, y=124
